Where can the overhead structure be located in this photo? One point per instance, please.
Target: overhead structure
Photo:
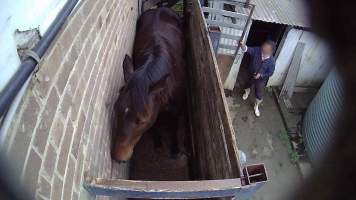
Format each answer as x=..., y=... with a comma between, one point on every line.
x=288, y=12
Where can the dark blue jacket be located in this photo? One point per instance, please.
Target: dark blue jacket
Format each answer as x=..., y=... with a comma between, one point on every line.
x=265, y=68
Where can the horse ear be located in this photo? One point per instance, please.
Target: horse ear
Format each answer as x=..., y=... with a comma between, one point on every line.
x=128, y=68
x=159, y=86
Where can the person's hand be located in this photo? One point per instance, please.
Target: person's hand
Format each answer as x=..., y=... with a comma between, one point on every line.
x=257, y=76
x=243, y=45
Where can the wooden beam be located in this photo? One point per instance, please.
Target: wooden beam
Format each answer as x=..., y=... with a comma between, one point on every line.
x=292, y=75
x=163, y=189
x=215, y=153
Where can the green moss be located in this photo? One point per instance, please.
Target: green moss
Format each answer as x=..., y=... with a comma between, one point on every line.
x=294, y=156
x=178, y=7
x=283, y=136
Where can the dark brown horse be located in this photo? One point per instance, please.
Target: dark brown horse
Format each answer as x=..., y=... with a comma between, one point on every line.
x=154, y=80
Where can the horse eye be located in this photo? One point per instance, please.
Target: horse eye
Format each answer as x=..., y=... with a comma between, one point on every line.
x=139, y=122
x=126, y=110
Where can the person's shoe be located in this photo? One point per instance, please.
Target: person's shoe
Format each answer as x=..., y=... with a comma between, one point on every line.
x=257, y=104
x=246, y=94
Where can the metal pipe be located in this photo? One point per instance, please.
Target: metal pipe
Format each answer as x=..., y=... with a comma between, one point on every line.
x=29, y=64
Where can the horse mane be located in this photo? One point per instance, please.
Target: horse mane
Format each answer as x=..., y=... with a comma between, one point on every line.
x=146, y=77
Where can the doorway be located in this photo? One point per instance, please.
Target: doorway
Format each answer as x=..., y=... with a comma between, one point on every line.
x=260, y=31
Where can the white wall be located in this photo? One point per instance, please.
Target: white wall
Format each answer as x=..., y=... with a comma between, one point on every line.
x=315, y=64
x=22, y=15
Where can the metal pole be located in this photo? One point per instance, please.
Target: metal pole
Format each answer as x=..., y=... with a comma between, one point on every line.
x=244, y=31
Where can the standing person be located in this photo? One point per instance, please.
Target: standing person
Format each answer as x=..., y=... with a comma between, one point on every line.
x=260, y=69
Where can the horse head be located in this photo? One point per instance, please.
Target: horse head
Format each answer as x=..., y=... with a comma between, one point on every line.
x=138, y=107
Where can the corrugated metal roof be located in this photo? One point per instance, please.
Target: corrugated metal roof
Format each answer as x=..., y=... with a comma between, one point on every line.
x=290, y=12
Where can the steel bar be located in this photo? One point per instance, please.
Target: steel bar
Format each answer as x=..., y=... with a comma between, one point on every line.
x=163, y=189
x=244, y=30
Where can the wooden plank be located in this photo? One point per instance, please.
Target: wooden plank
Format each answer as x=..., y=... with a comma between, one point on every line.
x=162, y=189
x=289, y=83
x=210, y=123
x=224, y=24
x=225, y=13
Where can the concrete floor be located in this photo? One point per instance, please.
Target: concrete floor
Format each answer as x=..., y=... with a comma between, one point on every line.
x=258, y=139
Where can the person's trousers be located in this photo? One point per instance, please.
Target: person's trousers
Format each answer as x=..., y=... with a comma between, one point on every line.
x=259, y=87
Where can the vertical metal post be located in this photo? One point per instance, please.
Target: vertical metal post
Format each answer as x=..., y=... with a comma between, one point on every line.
x=244, y=31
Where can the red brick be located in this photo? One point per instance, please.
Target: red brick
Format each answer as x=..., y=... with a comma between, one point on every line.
x=108, y=18
x=57, y=192
x=99, y=23
x=90, y=63
x=57, y=130
x=76, y=101
x=32, y=170
x=78, y=135
x=50, y=161
x=87, y=125
x=66, y=38
x=80, y=82
x=49, y=66
x=75, y=196
x=87, y=45
x=65, y=104
x=44, y=126
x=75, y=75
x=79, y=170
x=78, y=70
x=63, y=155
x=66, y=69
x=87, y=7
x=44, y=188
x=68, y=183
x=24, y=132
x=76, y=22
x=90, y=88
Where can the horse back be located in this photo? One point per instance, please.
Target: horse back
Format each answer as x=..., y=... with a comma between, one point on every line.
x=162, y=28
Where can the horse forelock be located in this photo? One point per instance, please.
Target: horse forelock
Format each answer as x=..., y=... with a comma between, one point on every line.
x=144, y=78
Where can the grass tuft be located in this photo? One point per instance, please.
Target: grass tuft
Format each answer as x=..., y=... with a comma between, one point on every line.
x=283, y=136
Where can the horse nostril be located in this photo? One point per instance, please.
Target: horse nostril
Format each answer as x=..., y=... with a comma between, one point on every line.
x=122, y=161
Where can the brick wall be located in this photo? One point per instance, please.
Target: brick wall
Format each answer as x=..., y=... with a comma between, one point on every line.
x=62, y=128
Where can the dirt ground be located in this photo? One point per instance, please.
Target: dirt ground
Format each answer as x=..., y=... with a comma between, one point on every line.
x=260, y=139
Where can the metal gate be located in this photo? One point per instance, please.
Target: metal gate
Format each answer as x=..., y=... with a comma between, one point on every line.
x=233, y=18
